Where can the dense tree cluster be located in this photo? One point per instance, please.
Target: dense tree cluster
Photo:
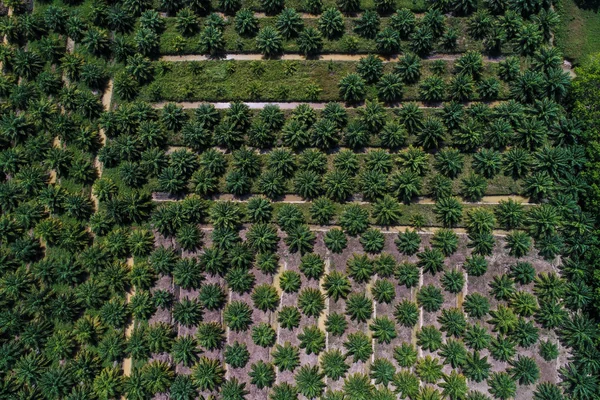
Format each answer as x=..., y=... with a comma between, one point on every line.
x=107, y=292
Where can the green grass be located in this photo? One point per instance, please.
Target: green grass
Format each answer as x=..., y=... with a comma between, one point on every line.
x=269, y=80
x=579, y=33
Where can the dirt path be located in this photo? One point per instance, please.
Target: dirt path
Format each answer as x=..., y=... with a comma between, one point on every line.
x=291, y=105
x=294, y=199
x=321, y=57
x=127, y=362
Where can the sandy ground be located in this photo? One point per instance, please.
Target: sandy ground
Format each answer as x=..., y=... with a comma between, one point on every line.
x=320, y=57
x=498, y=263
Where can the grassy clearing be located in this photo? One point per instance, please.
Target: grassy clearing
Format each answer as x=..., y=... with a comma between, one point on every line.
x=270, y=80
x=579, y=33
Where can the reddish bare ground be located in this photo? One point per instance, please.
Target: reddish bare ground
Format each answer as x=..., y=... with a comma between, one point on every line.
x=498, y=263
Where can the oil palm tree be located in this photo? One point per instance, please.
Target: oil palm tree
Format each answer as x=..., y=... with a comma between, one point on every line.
x=269, y=41
x=352, y=88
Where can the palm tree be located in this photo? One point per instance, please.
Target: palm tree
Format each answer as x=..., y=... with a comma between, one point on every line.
x=184, y=350
x=333, y=364
x=187, y=23
x=352, y=88
x=359, y=346
x=388, y=41
x=286, y=357
x=283, y=391
x=429, y=369
x=390, y=88
x=432, y=89
x=312, y=339
x=310, y=41
x=430, y=298
x=454, y=386
x=300, y=239
x=237, y=315
x=229, y=6
x=354, y=219
x=501, y=385
x=236, y=355
x=367, y=25
x=269, y=41
x=335, y=240
x=289, y=23
x=386, y=211
x=409, y=68
x=370, y=68
x=108, y=384
x=262, y=374
x=331, y=23
x=518, y=243
x=322, y=210
x=473, y=187
x=212, y=41
x=421, y=40
x=461, y=87
x=208, y=374
x=246, y=24
x=309, y=381
x=288, y=317
x=263, y=335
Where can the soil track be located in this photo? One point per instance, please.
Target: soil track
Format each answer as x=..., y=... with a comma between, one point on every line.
x=291, y=105
x=321, y=57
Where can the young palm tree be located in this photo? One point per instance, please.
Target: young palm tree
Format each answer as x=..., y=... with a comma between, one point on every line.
x=300, y=239
x=518, y=243
x=208, y=374
x=309, y=381
x=212, y=41
x=311, y=301
x=263, y=335
x=246, y=24
x=432, y=89
x=286, y=357
x=335, y=240
x=429, y=369
x=430, y=298
x=289, y=23
x=408, y=242
x=236, y=355
x=359, y=307
x=187, y=312
x=331, y=23
x=312, y=339
x=352, y=88
x=337, y=285
x=388, y=41
x=262, y=374
x=265, y=297
x=237, y=315
x=390, y=88
x=359, y=346
x=431, y=260
x=184, y=350
x=289, y=317
x=473, y=187
x=310, y=42
x=333, y=364
x=502, y=386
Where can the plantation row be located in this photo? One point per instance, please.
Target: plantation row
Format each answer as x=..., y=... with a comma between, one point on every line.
x=281, y=358
x=537, y=162
x=352, y=82
x=330, y=33
x=542, y=222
